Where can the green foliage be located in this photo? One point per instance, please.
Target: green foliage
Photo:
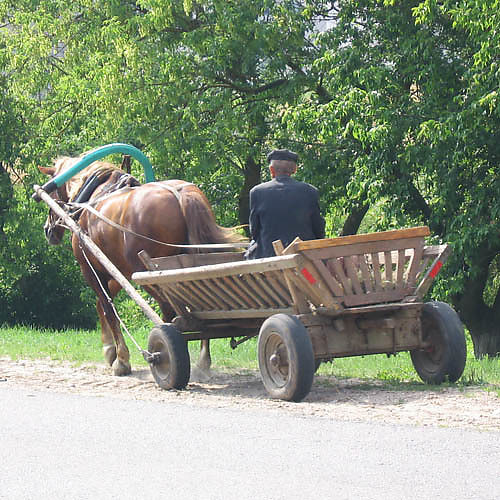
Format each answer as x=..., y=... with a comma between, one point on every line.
x=39, y=285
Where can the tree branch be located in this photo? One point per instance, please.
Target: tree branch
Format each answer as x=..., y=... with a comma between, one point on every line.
x=249, y=90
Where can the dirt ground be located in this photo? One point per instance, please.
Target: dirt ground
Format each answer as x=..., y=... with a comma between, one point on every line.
x=352, y=400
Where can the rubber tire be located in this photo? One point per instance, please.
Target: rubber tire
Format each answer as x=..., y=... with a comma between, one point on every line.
x=442, y=326
x=174, y=369
x=291, y=380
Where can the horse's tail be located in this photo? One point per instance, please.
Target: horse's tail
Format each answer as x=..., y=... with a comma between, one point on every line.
x=200, y=221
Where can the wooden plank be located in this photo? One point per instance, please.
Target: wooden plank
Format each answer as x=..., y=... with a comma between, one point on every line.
x=299, y=302
x=146, y=259
x=239, y=290
x=241, y=284
x=375, y=308
x=317, y=290
x=227, y=295
x=414, y=265
x=311, y=294
x=409, y=253
x=433, y=270
x=262, y=284
x=365, y=273
x=376, y=271
x=315, y=283
x=422, y=266
x=178, y=301
x=179, y=308
x=400, y=268
x=180, y=261
x=187, y=296
x=243, y=313
x=204, y=291
x=375, y=297
x=275, y=280
x=352, y=274
x=387, y=269
x=261, y=291
x=256, y=290
x=414, y=232
x=338, y=269
x=215, y=293
x=362, y=248
x=335, y=288
x=377, y=323
x=216, y=270
x=429, y=253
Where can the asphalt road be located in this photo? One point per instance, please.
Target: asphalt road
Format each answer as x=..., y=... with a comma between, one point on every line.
x=62, y=446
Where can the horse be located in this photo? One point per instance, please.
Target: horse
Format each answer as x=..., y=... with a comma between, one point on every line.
x=124, y=217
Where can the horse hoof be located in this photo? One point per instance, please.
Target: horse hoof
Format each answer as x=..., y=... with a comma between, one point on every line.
x=200, y=375
x=120, y=368
x=109, y=351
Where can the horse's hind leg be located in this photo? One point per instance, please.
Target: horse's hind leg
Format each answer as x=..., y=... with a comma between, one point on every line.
x=205, y=360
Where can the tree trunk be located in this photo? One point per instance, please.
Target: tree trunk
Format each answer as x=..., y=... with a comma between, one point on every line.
x=354, y=219
x=487, y=342
x=6, y=193
x=252, y=178
x=482, y=321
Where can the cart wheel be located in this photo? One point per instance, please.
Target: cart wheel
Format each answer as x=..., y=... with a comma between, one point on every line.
x=286, y=358
x=446, y=354
x=170, y=366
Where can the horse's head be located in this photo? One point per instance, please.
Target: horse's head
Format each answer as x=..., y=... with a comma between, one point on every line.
x=54, y=230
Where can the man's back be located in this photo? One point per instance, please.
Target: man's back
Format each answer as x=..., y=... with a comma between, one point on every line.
x=283, y=209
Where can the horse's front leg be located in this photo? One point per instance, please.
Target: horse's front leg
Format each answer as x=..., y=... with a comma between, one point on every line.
x=108, y=342
x=114, y=348
x=121, y=365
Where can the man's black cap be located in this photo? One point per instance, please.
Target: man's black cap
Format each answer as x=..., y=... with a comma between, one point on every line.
x=282, y=154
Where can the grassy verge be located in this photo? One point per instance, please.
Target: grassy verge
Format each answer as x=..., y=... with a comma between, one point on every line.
x=82, y=346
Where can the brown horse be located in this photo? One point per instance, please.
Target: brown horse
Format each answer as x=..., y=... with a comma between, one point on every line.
x=173, y=212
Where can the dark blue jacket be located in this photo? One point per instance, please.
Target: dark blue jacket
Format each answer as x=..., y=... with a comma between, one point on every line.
x=283, y=209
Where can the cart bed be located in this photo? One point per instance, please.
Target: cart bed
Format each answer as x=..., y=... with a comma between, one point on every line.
x=327, y=276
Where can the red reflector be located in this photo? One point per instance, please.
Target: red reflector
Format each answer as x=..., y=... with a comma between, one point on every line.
x=308, y=276
x=437, y=267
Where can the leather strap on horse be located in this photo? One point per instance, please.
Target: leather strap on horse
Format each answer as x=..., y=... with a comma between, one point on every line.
x=90, y=208
x=175, y=190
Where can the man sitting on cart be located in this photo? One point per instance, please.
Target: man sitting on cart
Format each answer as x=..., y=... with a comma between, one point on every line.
x=283, y=208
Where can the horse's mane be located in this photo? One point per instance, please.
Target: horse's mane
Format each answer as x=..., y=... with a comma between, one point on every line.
x=74, y=184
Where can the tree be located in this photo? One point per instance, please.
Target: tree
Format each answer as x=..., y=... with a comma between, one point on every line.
x=412, y=120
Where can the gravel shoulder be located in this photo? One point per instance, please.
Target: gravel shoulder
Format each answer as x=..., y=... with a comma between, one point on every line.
x=340, y=399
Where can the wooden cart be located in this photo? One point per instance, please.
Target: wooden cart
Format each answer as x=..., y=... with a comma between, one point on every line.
x=313, y=302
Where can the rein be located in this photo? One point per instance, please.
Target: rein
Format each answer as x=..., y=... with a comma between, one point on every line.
x=90, y=208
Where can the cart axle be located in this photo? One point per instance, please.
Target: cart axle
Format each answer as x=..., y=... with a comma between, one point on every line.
x=153, y=358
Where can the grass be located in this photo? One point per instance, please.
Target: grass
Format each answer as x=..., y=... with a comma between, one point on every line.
x=82, y=346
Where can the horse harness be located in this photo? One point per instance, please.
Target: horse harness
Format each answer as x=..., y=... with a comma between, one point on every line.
x=124, y=183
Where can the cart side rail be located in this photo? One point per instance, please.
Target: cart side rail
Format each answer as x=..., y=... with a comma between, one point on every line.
x=241, y=289
x=375, y=268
